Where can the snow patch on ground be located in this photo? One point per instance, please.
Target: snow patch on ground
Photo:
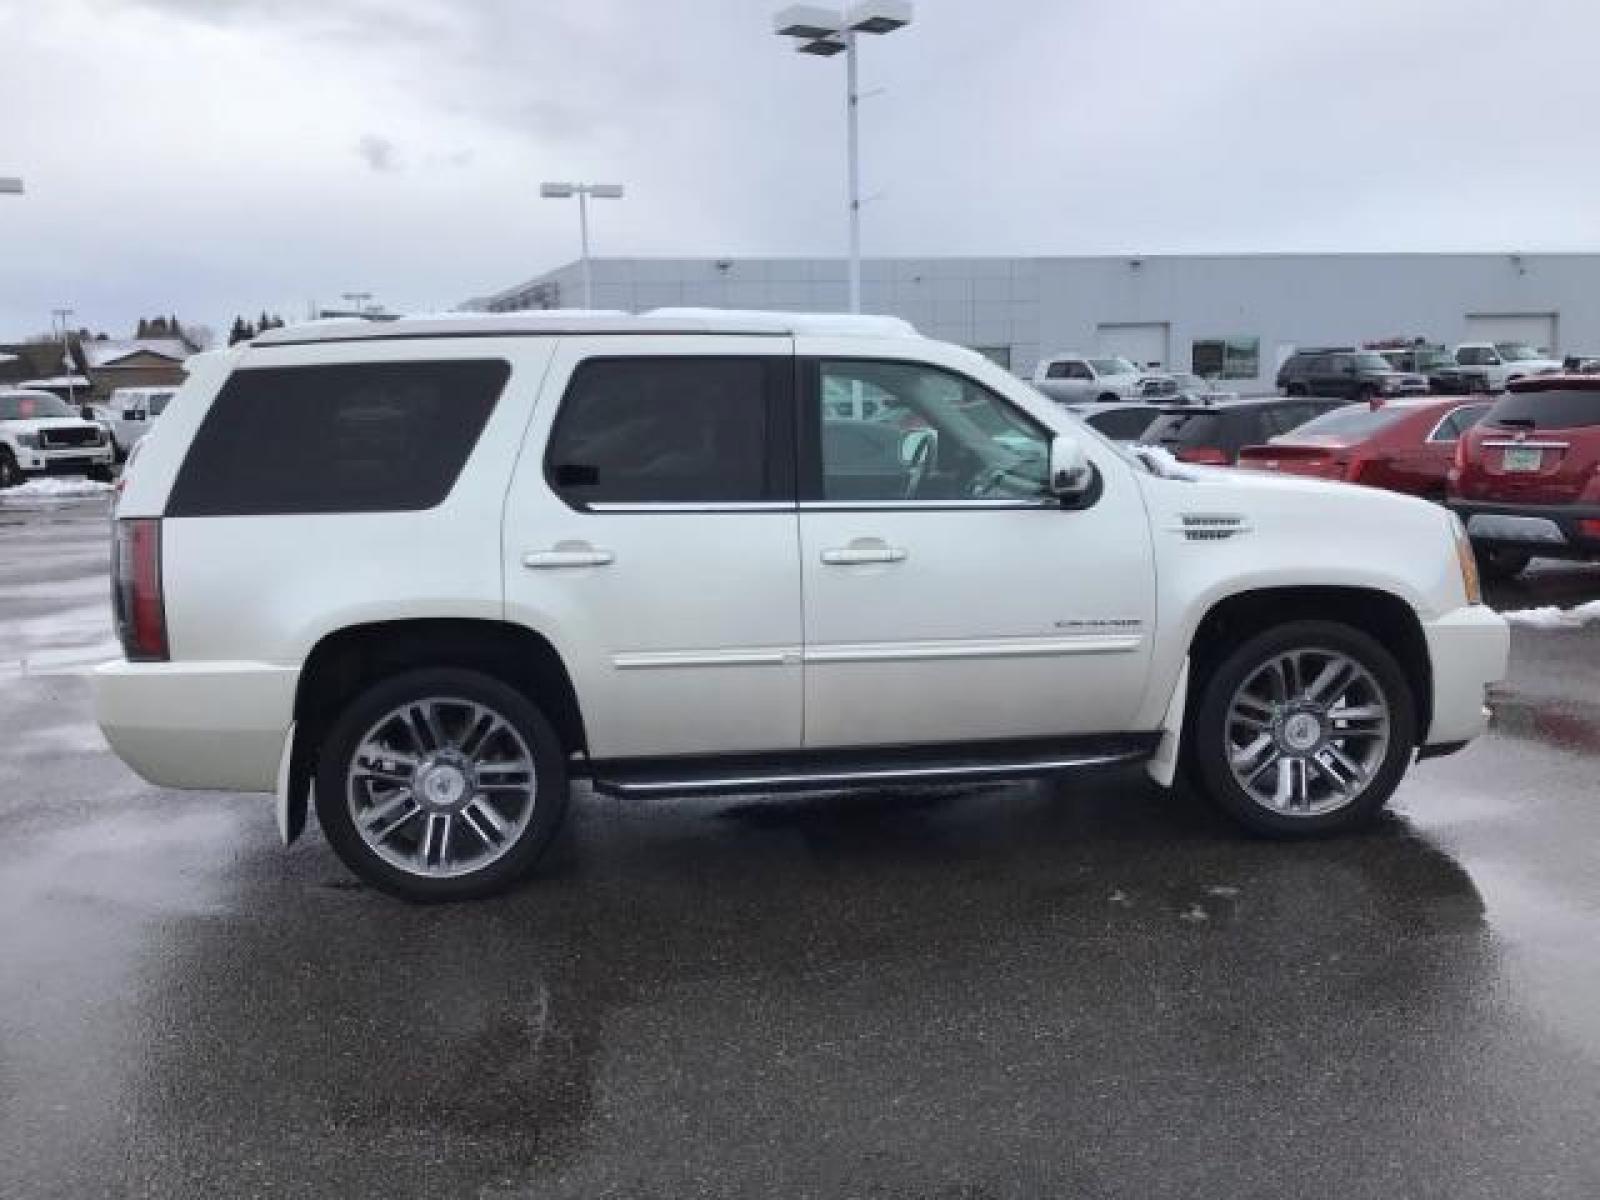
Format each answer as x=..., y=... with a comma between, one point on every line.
x=55, y=489
x=1551, y=617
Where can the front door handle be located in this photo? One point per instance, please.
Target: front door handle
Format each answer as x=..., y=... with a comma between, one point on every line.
x=863, y=550
x=568, y=554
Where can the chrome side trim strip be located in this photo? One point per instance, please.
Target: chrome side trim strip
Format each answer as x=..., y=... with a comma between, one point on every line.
x=672, y=659
x=731, y=507
x=1008, y=648
x=824, y=779
x=919, y=505
x=1504, y=444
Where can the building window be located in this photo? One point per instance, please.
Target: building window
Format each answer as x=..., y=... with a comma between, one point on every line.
x=1227, y=358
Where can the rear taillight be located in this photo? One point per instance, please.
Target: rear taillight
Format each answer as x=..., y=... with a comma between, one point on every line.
x=1589, y=527
x=136, y=597
x=1206, y=456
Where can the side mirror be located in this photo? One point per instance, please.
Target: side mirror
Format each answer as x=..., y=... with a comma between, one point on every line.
x=87, y=413
x=1070, y=472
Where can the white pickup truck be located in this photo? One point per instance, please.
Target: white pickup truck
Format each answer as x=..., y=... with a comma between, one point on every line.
x=439, y=567
x=1490, y=366
x=1073, y=378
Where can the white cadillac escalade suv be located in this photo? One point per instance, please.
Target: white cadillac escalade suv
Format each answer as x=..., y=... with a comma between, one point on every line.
x=429, y=572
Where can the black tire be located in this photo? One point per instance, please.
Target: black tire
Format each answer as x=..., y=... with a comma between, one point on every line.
x=1209, y=746
x=1366, y=394
x=1500, y=563
x=101, y=474
x=1108, y=398
x=517, y=859
x=1297, y=389
x=10, y=473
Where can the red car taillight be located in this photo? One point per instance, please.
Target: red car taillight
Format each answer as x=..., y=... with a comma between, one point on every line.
x=136, y=597
x=1204, y=456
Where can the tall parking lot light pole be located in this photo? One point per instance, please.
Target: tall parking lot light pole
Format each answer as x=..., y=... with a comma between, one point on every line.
x=828, y=31
x=565, y=191
x=62, y=315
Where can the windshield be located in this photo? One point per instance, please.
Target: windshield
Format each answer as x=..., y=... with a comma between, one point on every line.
x=1113, y=366
x=1516, y=351
x=25, y=406
x=1373, y=362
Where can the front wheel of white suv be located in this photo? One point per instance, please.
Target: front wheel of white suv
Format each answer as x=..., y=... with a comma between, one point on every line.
x=1304, y=729
x=441, y=784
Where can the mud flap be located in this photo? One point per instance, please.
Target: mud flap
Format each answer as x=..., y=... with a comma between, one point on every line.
x=1163, y=764
x=293, y=789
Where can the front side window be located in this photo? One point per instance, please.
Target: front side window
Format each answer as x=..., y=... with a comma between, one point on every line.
x=346, y=438
x=1476, y=356
x=1079, y=370
x=671, y=430
x=941, y=438
x=1113, y=366
x=1516, y=351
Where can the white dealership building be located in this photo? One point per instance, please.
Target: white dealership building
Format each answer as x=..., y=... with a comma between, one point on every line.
x=1236, y=316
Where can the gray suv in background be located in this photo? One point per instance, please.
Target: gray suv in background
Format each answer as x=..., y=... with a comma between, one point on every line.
x=1347, y=373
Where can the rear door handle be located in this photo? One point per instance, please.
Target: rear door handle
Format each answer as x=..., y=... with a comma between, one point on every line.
x=863, y=551
x=568, y=554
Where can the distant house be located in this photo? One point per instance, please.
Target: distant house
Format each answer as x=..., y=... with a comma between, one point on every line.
x=132, y=362
x=31, y=360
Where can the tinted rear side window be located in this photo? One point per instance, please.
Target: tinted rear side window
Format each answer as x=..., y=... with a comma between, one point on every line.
x=1123, y=424
x=676, y=430
x=1546, y=410
x=1184, y=429
x=369, y=437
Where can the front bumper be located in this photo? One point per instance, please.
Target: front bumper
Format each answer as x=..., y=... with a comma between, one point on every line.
x=73, y=460
x=1469, y=648
x=211, y=725
x=1550, y=530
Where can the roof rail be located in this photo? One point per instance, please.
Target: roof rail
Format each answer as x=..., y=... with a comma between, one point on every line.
x=588, y=321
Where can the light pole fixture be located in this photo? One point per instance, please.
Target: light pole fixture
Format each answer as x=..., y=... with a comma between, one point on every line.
x=565, y=191
x=10, y=186
x=824, y=32
x=357, y=300
x=61, y=315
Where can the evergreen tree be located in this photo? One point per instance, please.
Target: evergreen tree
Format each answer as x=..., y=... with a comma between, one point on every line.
x=173, y=327
x=144, y=329
x=240, y=332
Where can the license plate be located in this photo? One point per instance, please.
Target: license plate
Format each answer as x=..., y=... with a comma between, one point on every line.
x=1522, y=458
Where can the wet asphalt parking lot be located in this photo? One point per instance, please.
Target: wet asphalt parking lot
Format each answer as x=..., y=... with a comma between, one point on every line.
x=1084, y=989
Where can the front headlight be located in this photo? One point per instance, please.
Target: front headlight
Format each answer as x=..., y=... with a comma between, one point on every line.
x=1468, y=561
x=28, y=440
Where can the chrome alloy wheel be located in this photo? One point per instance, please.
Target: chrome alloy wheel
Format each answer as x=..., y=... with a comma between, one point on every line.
x=1307, y=732
x=441, y=787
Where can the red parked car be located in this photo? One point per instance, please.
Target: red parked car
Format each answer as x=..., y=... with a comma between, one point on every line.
x=1402, y=446
x=1527, y=479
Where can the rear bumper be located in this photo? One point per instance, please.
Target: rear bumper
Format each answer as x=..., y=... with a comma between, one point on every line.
x=1468, y=648
x=1548, y=529
x=214, y=725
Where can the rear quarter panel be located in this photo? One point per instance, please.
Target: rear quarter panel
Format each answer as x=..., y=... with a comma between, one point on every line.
x=267, y=588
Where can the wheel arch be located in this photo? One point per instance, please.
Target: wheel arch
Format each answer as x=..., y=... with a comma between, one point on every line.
x=1383, y=615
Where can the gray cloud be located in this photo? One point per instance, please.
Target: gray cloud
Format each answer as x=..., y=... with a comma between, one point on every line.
x=378, y=152
x=1023, y=126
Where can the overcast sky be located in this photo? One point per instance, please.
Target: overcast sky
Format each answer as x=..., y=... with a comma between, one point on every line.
x=214, y=156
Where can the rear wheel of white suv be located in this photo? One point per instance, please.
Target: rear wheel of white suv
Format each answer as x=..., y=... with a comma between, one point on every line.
x=1304, y=729
x=441, y=784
